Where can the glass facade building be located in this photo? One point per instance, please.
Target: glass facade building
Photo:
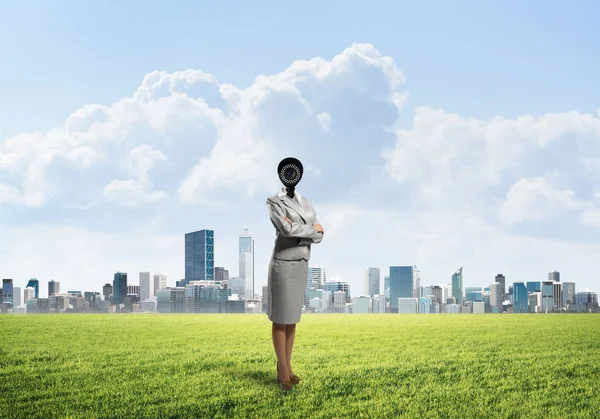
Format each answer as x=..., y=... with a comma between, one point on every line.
x=534, y=286
x=457, y=286
x=199, y=256
x=401, y=285
x=246, y=263
x=119, y=288
x=521, y=298
x=35, y=284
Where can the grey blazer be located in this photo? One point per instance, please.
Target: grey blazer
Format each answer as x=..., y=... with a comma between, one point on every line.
x=293, y=238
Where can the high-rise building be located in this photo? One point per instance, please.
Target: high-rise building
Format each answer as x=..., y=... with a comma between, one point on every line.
x=534, y=286
x=457, y=286
x=416, y=282
x=547, y=296
x=246, y=260
x=221, y=274
x=119, y=288
x=401, y=285
x=199, y=256
x=568, y=293
x=496, y=297
x=557, y=292
x=35, y=284
x=386, y=286
x=554, y=276
x=372, y=281
x=500, y=279
x=160, y=282
x=146, y=287
x=107, y=291
x=316, y=279
x=28, y=294
x=17, y=297
x=335, y=286
x=53, y=287
x=521, y=298
x=7, y=291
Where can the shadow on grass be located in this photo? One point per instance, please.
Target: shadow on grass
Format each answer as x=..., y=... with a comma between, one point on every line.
x=261, y=377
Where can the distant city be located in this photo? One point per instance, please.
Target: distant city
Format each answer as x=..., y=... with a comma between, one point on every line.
x=210, y=289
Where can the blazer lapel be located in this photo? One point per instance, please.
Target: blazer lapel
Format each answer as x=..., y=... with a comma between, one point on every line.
x=290, y=203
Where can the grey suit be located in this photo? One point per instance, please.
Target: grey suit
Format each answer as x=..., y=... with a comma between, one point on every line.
x=288, y=269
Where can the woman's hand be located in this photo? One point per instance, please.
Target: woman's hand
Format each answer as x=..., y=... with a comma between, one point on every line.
x=319, y=228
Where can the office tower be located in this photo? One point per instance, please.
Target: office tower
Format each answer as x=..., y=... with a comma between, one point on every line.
x=316, y=279
x=557, y=295
x=496, y=297
x=521, y=298
x=416, y=282
x=335, y=285
x=221, y=274
x=265, y=298
x=438, y=293
x=534, y=286
x=119, y=288
x=401, y=285
x=547, y=296
x=53, y=287
x=372, y=281
x=7, y=291
x=199, y=256
x=107, y=290
x=457, y=286
x=386, y=286
x=160, y=282
x=500, y=279
x=35, y=284
x=246, y=259
x=568, y=292
x=17, y=297
x=554, y=276
x=28, y=294
x=146, y=287
x=133, y=289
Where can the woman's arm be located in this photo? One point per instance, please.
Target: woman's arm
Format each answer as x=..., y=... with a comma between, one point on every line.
x=288, y=228
x=319, y=238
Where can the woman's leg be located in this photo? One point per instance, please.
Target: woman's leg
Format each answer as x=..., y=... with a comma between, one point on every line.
x=290, y=332
x=279, y=343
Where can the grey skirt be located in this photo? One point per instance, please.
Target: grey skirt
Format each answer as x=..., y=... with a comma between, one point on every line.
x=286, y=290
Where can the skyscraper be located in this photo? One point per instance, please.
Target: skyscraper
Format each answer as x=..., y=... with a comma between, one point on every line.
x=53, y=287
x=521, y=300
x=554, y=276
x=221, y=274
x=372, y=281
x=199, y=256
x=568, y=292
x=35, y=284
x=316, y=279
x=7, y=291
x=246, y=252
x=401, y=285
x=416, y=282
x=457, y=286
x=500, y=279
x=146, y=287
x=119, y=288
x=160, y=282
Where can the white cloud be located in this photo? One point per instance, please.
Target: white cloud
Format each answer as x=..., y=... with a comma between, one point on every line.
x=191, y=152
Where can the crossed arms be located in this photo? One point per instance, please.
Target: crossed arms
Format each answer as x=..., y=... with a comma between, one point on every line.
x=307, y=234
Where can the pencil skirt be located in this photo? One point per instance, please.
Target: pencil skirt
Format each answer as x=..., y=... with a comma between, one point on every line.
x=286, y=289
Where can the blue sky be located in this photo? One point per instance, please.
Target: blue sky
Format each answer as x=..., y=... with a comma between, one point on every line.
x=474, y=60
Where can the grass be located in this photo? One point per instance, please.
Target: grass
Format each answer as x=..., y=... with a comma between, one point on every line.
x=355, y=366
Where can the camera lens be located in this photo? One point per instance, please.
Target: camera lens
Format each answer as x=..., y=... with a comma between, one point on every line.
x=290, y=173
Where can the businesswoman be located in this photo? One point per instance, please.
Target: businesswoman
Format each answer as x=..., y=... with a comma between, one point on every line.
x=296, y=229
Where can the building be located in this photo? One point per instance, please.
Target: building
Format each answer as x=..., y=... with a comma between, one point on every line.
x=335, y=286
x=372, y=281
x=416, y=282
x=170, y=300
x=133, y=289
x=521, y=298
x=7, y=292
x=547, y=296
x=554, y=276
x=160, y=282
x=496, y=297
x=246, y=263
x=53, y=288
x=401, y=285
x=568, y=293
x=17, y=297
x=199, y=256
x=119, y=288
x=361, y=305
x=534, y=286
x=558, y=294
x=457, y=286
x=146, y=287
x=386, y=286
x=500, y=279
x=316, y=279
x=221, y=274
x=408, y=305
x=107, y=291
x=35, y=284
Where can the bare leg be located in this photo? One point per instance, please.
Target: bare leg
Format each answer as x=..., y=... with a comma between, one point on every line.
x=279, y=343
x=290, y=332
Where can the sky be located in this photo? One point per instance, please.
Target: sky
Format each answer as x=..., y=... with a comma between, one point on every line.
x=433, y=134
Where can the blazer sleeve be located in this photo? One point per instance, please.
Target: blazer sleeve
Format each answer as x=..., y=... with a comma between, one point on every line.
x=289, y=228
x=305, y=242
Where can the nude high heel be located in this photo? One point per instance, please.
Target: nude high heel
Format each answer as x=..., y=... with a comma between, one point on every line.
x=283, y=385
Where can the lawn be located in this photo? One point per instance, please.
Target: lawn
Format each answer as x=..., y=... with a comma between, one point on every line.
x=351, y=365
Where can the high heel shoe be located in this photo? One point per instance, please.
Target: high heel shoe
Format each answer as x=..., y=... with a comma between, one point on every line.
x=293, y=378
x=284, y=386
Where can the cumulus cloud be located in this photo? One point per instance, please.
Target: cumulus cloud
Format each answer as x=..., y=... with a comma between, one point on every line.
x=190, y=151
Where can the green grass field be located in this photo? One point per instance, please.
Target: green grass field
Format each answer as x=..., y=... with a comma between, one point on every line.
x=376, y=365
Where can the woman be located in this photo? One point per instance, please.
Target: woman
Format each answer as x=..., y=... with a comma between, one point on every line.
x=296, y=229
